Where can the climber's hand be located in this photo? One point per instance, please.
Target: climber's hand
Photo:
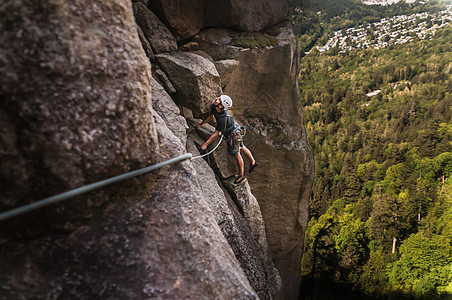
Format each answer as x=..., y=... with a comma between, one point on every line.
x=204, y=147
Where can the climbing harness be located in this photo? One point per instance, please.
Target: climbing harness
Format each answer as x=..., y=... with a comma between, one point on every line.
x=84, y=189
x=236, y=136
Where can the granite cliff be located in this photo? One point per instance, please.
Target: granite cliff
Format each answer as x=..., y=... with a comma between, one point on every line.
x=90, y=90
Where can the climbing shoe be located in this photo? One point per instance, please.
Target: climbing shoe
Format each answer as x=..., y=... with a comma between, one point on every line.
x=239, y=179
x=253, y=166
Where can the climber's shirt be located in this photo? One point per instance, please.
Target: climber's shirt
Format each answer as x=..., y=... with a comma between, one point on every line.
x=225, y=122
x=231, y=130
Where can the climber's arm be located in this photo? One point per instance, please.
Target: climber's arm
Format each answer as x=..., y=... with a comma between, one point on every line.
x=206, y=120
x=210, y=140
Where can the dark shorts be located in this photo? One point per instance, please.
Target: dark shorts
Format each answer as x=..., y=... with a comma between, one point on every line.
x=235, y=140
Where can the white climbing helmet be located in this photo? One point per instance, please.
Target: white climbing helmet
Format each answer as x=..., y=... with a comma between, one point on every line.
x=226, y=101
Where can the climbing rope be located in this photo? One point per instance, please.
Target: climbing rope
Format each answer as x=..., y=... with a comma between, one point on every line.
x=196, y=157
x=81, y=190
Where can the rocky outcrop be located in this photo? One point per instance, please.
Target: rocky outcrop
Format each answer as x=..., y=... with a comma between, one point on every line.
x=154, y=30
x=82, y=102
x=277, y=138
x=75, y=97
x=187, y=20
x=275, y=134
x=167, y=109
x=195, y=78
x=241, y=222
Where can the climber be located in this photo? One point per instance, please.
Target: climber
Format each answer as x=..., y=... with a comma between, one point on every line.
x=231, y=131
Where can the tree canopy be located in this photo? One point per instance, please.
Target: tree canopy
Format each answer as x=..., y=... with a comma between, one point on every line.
x=379, y=122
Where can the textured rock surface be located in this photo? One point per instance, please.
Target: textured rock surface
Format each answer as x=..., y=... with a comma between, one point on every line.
x=187, y=20
x=275, y=134
x=241, y=222
x=159, y=243
x=154, y=30
x=165, y=107
x=72, y=88
x=195, y=78
x=217, y=43
x=276, y=137
x=260, y=70
x=146, y=45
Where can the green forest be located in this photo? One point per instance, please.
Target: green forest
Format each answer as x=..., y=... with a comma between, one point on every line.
x=381, y=203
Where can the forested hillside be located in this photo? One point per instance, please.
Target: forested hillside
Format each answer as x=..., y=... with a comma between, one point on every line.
x=380, y=125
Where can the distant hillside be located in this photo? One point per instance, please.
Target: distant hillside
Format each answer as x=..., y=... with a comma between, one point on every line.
x=380, y=124
x=315, y=21
x=384, y=2
x=388, y=31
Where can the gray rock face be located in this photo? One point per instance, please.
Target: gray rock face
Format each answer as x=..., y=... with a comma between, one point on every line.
x=182, y=18
x=276, y=135
x=240, y=220
x=277, y=139
x=154, y=30
x=165, y=107
x=225, y=69
x=195, y=78
x=146, y=45
x=250, y=16
x=157, y=242
x=74, y=97
x=217, y=43
x=262, y=69
x=187, y=239
x=187, y=20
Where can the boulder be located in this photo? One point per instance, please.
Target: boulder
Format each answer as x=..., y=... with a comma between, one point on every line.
x=195, y=78
x=146, y=45
x=185, y=19
x=217, y=43
x=225, y=69
x=154, y=30
x=250, y=16
x=161, y=77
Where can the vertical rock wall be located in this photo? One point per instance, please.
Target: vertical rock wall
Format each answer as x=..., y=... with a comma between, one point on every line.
x=73, y=97
x=263, y=85
x=265, y=89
